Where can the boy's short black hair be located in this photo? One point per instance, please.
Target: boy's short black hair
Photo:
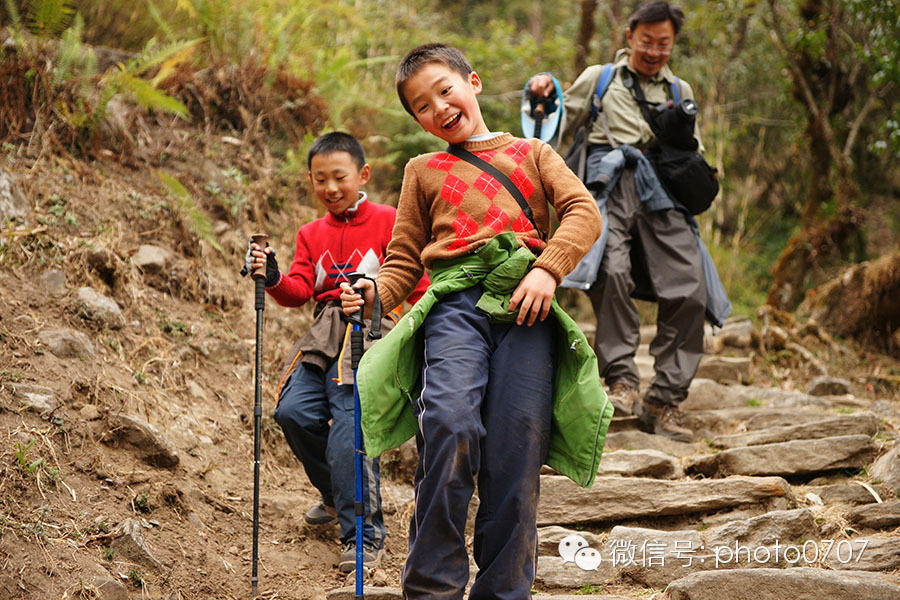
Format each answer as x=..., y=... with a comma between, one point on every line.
x=337, y=141
x=654, y=12
x=420, y=56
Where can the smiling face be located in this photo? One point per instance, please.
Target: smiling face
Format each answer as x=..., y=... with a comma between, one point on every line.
x=336, y=180
x=651, y=46
x=444, y=102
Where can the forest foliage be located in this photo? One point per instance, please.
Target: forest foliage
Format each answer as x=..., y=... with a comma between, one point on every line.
x=798, y=98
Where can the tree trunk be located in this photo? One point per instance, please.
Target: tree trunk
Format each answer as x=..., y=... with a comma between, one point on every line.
x=585, y=34
x=863, y=302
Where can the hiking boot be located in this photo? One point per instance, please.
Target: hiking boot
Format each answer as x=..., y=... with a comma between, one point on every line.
x=623, y=398
x=664, y=420
x=371, y=557
x=320, y=514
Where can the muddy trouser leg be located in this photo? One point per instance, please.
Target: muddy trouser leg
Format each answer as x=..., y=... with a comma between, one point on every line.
x=676, y=273
x=516, y=413
x=618, y=324
x=341, y=455
x=455, y=407
x=303, y=415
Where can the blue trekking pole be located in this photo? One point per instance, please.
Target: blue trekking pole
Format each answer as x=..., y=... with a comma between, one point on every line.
x=356, y=352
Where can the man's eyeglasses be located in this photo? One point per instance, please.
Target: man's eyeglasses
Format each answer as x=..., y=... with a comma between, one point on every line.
x=664, y=49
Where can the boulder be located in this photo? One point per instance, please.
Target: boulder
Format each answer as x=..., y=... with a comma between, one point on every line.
x=829, y=386
x=13, y=204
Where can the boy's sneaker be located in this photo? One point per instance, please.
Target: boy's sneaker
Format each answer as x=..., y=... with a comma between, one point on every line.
x=623, y=398
x=320, y=514
x=664, y=420
x=371, y=557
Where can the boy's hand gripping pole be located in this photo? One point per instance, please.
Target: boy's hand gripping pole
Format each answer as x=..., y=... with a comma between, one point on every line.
x=260, y=305
x=356, y=352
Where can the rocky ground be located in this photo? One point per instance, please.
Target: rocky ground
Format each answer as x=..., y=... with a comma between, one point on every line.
x=126, y=428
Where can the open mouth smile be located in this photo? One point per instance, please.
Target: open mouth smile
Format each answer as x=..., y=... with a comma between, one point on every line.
x=452, y=121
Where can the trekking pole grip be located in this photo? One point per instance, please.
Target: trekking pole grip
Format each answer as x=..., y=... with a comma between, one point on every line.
x=262, y=240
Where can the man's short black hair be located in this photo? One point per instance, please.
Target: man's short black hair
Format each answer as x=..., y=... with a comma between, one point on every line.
x=420, y=56
x=654, y=12
x=337, y=141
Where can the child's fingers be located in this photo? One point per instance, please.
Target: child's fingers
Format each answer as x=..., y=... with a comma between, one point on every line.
x=524, y=309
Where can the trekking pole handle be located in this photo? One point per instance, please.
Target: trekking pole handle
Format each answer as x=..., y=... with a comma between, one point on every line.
x=262, y=240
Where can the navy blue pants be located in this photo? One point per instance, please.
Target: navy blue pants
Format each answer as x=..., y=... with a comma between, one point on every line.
x=309, y=399
x=484, y=413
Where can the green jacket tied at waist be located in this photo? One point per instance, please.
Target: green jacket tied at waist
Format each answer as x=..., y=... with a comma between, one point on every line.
x=389, y=381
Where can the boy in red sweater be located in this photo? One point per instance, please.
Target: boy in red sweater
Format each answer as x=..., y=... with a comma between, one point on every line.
x=317, y=386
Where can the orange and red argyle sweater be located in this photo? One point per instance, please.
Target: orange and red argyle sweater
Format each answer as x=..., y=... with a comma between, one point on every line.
x=330, y=248
x=450, y=208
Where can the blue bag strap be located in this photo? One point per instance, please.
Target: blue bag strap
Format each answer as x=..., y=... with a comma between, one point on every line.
x=676, y=86
x=606, y=76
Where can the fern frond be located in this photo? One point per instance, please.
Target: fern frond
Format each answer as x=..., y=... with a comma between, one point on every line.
x=195, y=219
x=71, y=52
x=154, y=55
x=49, y=17
x=148, y=96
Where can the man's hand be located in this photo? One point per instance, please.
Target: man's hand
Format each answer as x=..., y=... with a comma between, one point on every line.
x=533, y=296
x=352, y=301
x=541, y=85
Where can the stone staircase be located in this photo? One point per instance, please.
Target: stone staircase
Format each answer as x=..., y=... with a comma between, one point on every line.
x=781, y=494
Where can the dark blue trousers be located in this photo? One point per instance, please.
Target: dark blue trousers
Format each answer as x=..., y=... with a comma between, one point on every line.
x=309, y=400
x=484, y=414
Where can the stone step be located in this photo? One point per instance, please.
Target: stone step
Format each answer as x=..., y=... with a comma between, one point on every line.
x=727, y=420
x=618, y=498
x=798, y=457
x=801, y=583
x=640, y=463
x=639, y=440
x=860, y=423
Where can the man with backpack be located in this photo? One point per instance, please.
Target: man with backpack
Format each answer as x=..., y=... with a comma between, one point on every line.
x=627, y=111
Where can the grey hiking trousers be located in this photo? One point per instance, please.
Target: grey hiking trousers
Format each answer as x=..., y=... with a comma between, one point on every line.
x=658, y=250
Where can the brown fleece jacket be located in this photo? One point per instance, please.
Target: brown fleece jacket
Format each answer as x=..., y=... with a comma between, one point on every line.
x=450, y=208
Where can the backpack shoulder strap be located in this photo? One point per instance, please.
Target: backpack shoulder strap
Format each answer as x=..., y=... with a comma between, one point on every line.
x=606, y=75
x=676, y=89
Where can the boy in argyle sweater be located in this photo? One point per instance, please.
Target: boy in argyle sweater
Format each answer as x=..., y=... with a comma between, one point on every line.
x=317, y=386
x=484, y=410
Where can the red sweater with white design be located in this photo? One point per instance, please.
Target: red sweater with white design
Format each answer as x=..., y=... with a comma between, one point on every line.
x=330, y=248
x=450, y=208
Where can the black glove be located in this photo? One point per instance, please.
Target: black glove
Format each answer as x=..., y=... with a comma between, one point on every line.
x=272, y=272
x=273, y=275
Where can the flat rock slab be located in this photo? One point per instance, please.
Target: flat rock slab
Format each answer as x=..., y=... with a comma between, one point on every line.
x=724, y=369
x=129, y=544
x=782, y=526
x=639, y=440
x=652, y=557
x=553, y=573
x=800, y=457
x=882, y=515
x=707, y=394
x=549, y=539
x=887, y=469
x=846, y=493
x=143, y=439
x=802, y=583
x=618, y=498
x=854, y=424
x=866, y=554
x=640, y=463
x=726, y=420
x=370, y=593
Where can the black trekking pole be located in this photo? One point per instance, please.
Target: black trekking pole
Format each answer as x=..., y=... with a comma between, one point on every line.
x=356, y=352
x=260, y=305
